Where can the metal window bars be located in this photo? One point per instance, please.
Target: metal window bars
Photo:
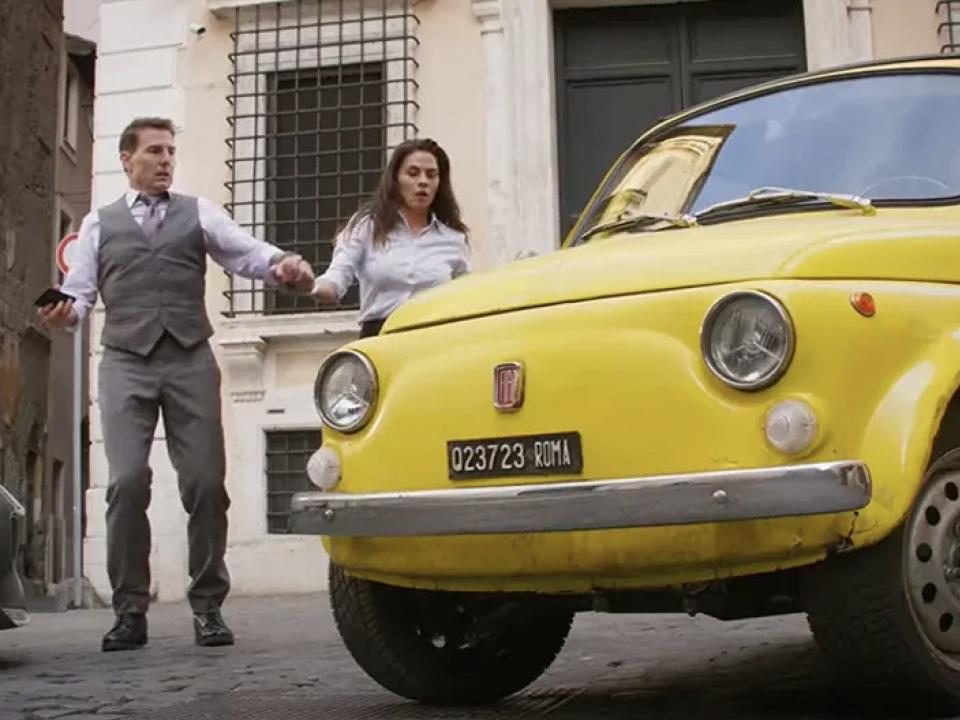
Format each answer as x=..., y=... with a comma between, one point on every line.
x=949, y=29
x=286, y=460
x=321, y=91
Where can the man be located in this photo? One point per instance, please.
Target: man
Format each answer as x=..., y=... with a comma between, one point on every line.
x=146, y=256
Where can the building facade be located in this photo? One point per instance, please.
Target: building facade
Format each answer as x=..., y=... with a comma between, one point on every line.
x=286, y=111
x=74, y=172
x=31, y=39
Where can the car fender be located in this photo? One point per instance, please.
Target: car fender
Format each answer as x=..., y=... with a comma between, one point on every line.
x=899, y=438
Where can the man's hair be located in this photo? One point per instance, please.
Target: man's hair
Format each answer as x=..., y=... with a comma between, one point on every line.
x=130, y=139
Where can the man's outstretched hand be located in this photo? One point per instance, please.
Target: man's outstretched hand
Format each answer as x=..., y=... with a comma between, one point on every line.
x=295, y=272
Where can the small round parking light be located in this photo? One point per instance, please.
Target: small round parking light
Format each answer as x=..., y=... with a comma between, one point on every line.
x=864, y=304
x=323, y=469
x=791, y=427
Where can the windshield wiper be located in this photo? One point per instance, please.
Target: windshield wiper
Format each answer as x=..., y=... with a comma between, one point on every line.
x=786, y=196
x=683, y=221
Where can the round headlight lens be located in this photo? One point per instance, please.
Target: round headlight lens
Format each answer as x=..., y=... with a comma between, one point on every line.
x=747, y=340
x=346, y=391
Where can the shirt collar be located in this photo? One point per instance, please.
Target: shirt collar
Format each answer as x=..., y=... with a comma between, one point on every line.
x=434, y=223
x=133, y=195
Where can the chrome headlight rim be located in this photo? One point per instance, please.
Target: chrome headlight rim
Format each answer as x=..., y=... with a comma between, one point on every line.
x=706, y=331
x=325, y=366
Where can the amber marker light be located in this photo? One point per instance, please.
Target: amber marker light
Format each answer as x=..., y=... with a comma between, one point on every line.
x=864, y=304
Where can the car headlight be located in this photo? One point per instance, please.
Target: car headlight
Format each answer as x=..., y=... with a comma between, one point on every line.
x=747, y=340
x=345, y=391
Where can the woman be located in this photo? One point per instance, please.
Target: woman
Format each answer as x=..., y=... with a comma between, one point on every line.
x=407, y=238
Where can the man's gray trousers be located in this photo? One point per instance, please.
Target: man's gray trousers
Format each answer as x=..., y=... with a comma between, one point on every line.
x=185, y=385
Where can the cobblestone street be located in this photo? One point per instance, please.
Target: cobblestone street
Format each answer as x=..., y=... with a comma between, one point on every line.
x=289, y=664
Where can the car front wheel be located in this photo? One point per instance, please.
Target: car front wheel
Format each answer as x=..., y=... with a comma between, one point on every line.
x=442, y=647
x=888, y=616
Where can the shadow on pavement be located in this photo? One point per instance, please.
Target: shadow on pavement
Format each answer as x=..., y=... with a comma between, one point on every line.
x=766, y=684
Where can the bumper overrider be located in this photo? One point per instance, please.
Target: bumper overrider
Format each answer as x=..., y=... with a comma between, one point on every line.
x=682, y=499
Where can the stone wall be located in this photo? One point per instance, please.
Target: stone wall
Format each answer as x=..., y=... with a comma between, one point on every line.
x=30, y=47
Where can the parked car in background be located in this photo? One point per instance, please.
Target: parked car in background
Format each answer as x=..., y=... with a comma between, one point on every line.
x=735, y=391
x=13, y=608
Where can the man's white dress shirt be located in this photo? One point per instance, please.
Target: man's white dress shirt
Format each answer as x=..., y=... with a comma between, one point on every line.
x=230, y=246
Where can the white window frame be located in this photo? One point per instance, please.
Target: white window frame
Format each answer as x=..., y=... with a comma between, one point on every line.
x=70, y=123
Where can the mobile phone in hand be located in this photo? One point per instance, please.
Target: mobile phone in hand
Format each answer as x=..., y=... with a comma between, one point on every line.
x=52, y=296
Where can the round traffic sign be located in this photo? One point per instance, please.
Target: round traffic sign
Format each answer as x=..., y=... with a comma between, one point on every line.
x=65, y=249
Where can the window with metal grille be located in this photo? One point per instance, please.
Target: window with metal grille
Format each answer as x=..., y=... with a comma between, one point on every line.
x=322, y=90
x=287, y=455
x=949, y=11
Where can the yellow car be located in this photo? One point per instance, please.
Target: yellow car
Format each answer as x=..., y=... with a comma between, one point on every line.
x=734, y=391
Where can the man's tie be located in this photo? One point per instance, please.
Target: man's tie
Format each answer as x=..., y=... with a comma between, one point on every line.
x=151, y=216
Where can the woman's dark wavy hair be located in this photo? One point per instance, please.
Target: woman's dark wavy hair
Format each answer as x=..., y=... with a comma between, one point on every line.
x=383, y=208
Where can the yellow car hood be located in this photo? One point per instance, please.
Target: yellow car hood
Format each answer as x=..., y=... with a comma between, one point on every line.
x=905, y=244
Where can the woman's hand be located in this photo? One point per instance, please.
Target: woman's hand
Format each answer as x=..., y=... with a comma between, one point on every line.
x=295, y=272
x=324, y=292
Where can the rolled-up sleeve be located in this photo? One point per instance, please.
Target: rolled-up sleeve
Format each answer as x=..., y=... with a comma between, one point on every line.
x=232, y=247
x=81, y=281
x=347, y=256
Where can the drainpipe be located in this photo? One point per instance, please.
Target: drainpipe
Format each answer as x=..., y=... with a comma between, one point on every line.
x=860, y=14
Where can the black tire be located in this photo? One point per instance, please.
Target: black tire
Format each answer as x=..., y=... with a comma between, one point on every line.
x=493, y=646
x=863, y=610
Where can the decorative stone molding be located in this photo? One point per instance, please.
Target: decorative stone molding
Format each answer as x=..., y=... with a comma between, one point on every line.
x=520, y=128
x=304, y=326
x=837, y=32
x=488, y=13
x=529, y=34
x=243, y=359
x=501, y=178
x=224, y=8
x=243, y=344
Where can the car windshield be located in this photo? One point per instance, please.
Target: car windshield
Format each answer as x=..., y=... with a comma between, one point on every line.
x=880, y=137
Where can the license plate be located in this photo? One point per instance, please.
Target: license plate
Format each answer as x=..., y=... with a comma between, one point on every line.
x=553, y=454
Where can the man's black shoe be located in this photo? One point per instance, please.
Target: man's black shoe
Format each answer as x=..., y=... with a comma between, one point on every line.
x=210, y=630
x=129, y=632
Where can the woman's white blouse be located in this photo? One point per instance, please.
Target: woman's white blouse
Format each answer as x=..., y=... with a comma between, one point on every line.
x=406, y=264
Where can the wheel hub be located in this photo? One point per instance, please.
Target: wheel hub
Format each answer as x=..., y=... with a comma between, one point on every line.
x=447, y=627
x=933, y=564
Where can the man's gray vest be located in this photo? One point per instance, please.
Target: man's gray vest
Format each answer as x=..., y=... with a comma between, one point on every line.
x=153, y=285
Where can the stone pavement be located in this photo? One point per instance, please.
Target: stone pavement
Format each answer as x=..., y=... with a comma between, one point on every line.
x=289, y=663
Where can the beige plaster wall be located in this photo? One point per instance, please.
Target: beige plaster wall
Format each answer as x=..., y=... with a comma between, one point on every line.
x=905, y=27
x=296, y=367
x=203, y=65
x=82, y=18
x=451, y=79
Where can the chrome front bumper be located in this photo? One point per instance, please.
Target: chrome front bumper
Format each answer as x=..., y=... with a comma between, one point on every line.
x=686, y=499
